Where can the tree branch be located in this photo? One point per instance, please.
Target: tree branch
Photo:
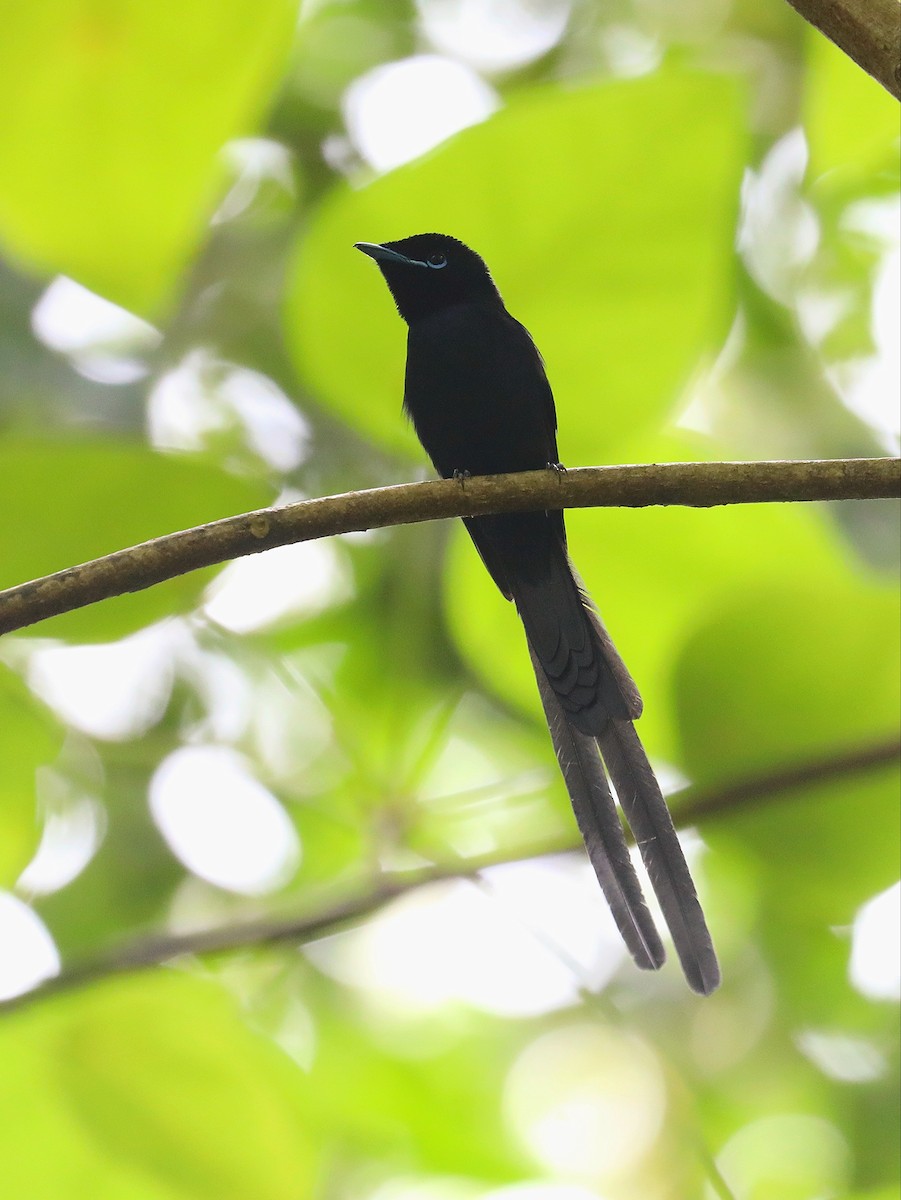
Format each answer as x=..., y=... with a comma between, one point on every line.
x=702, y=805
x=690, y=806
x=700, y=485
x=869, y=32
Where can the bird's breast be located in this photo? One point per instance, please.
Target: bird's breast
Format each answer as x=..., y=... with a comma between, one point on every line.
x=476, y=393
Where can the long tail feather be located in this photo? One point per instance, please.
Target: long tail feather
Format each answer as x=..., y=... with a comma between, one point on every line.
x=597, y=818
x=590, y=701
x=650, y=821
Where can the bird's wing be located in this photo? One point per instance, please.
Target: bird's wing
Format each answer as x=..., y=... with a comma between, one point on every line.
x=531, y=364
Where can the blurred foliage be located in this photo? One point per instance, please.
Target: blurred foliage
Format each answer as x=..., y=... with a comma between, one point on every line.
x=29, y=738
x=690, y=207
x=630, y=260
x=164, y=493
x=113, y=119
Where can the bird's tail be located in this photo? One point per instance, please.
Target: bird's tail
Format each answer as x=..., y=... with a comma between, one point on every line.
x=590, y=702
x=599, y=824
x=652, y=827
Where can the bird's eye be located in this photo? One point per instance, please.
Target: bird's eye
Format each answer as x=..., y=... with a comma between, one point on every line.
x=437, y=260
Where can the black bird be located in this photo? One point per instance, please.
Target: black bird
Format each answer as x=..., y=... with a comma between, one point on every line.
x=479, y=399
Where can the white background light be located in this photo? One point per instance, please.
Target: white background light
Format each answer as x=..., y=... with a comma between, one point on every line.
x=104, y=342
x=253, y=592
x=494, y=35
x=398, y=111
x=876, y=947
x=525, y=944
x=204, y=396
x=29, y=955
x=112, y=691
x=587, y=1099
x=221, y=822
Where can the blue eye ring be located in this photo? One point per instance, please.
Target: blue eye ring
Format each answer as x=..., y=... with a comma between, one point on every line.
x=436, y=261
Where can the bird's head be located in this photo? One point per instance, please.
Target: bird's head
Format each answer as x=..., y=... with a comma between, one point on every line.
x=429, y=272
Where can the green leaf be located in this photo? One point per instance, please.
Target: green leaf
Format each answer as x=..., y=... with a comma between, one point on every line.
x=67, y=502
x=113, y=114
x=156, y=1080
x=609, y=238
x=850, y=120
x=414, y=1104
x=29, y=739
x=781, y=674
x=789, y=673
x=45, y=1152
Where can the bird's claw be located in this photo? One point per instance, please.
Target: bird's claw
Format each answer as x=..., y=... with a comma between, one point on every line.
x=557, y=468
x=461, y=476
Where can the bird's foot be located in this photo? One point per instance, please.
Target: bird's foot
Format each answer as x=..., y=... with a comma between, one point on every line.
x=557, y=468
x=461, y=477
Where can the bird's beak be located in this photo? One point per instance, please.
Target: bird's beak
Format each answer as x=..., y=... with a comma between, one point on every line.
x=383, y=254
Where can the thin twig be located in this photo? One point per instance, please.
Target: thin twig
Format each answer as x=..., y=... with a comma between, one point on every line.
x=700, y=485
x=747, y=793
x=690, y=806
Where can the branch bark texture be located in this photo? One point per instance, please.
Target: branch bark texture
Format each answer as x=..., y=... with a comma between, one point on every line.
x=700, y=485
x=869, y=32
